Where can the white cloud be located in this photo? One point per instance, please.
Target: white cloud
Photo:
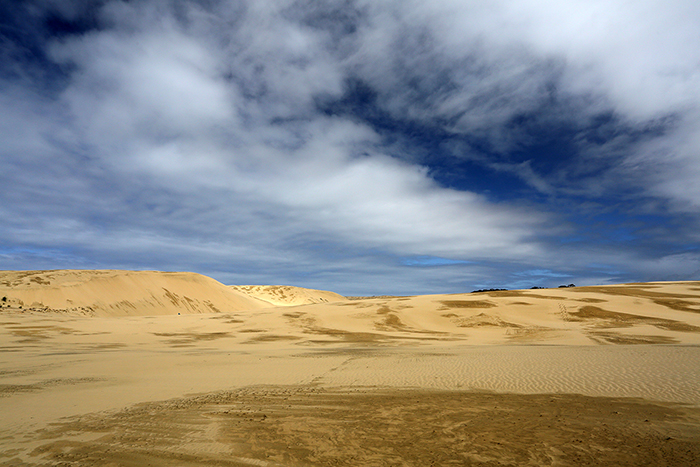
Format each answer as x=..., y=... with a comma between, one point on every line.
x=472, y=67
x=153, y=102
x=643, y=57
x=155, y=84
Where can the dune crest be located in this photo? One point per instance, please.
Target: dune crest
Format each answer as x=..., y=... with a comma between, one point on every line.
x=120, y=293
x=287, y=295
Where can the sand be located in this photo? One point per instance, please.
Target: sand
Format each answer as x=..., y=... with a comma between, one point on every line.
x=576, y=376
x=120, y=293
x=285, y=295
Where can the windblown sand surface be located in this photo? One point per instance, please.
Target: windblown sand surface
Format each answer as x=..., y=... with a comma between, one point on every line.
x=285, y=295
x=576, y=376
x=120, y=293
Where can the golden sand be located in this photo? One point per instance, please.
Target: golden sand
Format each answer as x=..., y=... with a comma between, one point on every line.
x=98, y=368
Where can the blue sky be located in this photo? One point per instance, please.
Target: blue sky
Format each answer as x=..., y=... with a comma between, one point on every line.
x=364, y=147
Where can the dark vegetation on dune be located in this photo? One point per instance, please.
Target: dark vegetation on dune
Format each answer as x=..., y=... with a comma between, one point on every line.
x=531, y=288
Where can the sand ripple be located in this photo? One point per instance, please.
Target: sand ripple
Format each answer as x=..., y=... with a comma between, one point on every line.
x=663, y=373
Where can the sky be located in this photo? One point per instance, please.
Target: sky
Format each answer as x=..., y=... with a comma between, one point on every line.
x=365, y=147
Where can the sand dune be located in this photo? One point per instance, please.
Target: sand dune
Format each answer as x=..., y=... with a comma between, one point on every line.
x=119, y=293
x=573, y=316
x=577, y=376
x=285, y=295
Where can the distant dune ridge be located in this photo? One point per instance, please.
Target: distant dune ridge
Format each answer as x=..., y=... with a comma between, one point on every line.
x=143, y=293
x=286, y=295
x=118, y=293
x=660, y=313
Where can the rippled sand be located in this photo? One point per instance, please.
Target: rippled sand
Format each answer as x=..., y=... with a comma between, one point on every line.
x=604, y=376
x=289, y=426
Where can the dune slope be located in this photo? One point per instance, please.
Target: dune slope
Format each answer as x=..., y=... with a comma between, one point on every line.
x=658, y=313
x=120, y=293
x=286, y=295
